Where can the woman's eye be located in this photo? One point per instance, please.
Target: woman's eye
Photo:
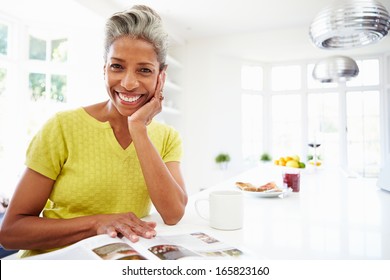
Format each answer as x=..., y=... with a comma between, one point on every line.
x=115, y=66
x=145, y=70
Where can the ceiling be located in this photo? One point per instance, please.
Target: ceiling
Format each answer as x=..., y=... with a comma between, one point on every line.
x=205, y=18
x=190, y=19
x=200, y=19
x=266, y=30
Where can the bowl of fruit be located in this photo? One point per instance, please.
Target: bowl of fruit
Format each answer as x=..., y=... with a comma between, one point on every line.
x=290, y=161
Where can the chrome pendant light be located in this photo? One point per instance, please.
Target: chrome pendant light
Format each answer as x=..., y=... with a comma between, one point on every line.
x=350, y=23
x=335, y=69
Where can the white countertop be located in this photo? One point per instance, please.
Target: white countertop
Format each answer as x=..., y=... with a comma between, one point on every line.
x=332, y=217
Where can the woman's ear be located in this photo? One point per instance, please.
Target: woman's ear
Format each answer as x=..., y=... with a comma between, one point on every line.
x=163, y=72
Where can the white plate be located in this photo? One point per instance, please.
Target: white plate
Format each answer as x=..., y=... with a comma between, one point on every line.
x=265, y=194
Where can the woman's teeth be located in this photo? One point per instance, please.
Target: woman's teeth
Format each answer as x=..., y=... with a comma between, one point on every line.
x=128, y=98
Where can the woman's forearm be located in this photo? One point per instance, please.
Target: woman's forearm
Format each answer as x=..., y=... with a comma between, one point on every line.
x=166, y=192
x=31, y=232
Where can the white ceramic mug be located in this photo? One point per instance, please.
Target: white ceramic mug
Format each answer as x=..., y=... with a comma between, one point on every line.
x=225, y=209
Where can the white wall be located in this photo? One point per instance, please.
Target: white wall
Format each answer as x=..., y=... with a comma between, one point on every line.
x=211, y=114
x=86, y=82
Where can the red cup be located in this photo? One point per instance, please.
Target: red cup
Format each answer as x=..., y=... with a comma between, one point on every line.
x=291, y=179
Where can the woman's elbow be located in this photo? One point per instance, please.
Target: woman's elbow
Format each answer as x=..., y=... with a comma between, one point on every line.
x=173, y=217
x=3, y=240
x=172, y=220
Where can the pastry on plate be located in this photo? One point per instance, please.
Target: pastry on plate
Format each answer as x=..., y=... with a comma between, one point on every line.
x=246, y=186
x=268, y=187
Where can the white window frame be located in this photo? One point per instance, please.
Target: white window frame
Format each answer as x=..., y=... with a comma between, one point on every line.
x=383, y=88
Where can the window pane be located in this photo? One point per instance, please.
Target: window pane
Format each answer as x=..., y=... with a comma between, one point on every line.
x=37, y=86
x=3, y=80
x=286, y=77
x=286, y=125
x=59, y=51
x=368, y=73
x=3, y=39
x=387, y=70
x=323, y=125
x=37, y=48
x=363, y=132
x=388, y=118
x=58, y=88
x=252, y=77
x=252, y=120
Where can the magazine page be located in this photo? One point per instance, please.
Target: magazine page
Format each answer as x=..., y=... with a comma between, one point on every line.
x=108, y=248
x=195, y=245
x=78, y=251
x=97, y=247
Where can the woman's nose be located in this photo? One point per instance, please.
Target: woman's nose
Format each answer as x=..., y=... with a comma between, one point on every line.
x=129, y=81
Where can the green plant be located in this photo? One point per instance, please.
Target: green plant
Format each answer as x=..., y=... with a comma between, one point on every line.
x=222, y=158
x=265, y=157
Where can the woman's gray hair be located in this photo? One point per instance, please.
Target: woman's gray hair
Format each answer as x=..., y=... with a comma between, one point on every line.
x=139, y=22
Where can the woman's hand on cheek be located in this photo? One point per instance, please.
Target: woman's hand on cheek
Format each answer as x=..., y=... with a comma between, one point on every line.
x=147, y=112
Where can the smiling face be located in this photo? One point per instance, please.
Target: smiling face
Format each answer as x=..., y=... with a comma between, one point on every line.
x=131, y=71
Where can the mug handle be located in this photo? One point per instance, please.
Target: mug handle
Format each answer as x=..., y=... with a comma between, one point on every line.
x=197, y=209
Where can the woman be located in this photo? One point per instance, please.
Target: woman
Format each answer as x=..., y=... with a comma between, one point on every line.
x=96, y=170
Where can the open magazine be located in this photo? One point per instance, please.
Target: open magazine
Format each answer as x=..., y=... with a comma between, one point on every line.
x=196, y=245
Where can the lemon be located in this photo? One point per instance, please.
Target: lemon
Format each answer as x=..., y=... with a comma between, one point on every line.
x=282, y=161
x=292, y=163
x=296, y=157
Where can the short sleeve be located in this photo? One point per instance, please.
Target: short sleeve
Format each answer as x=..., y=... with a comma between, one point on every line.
x=173, y=149
x=47, y=152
